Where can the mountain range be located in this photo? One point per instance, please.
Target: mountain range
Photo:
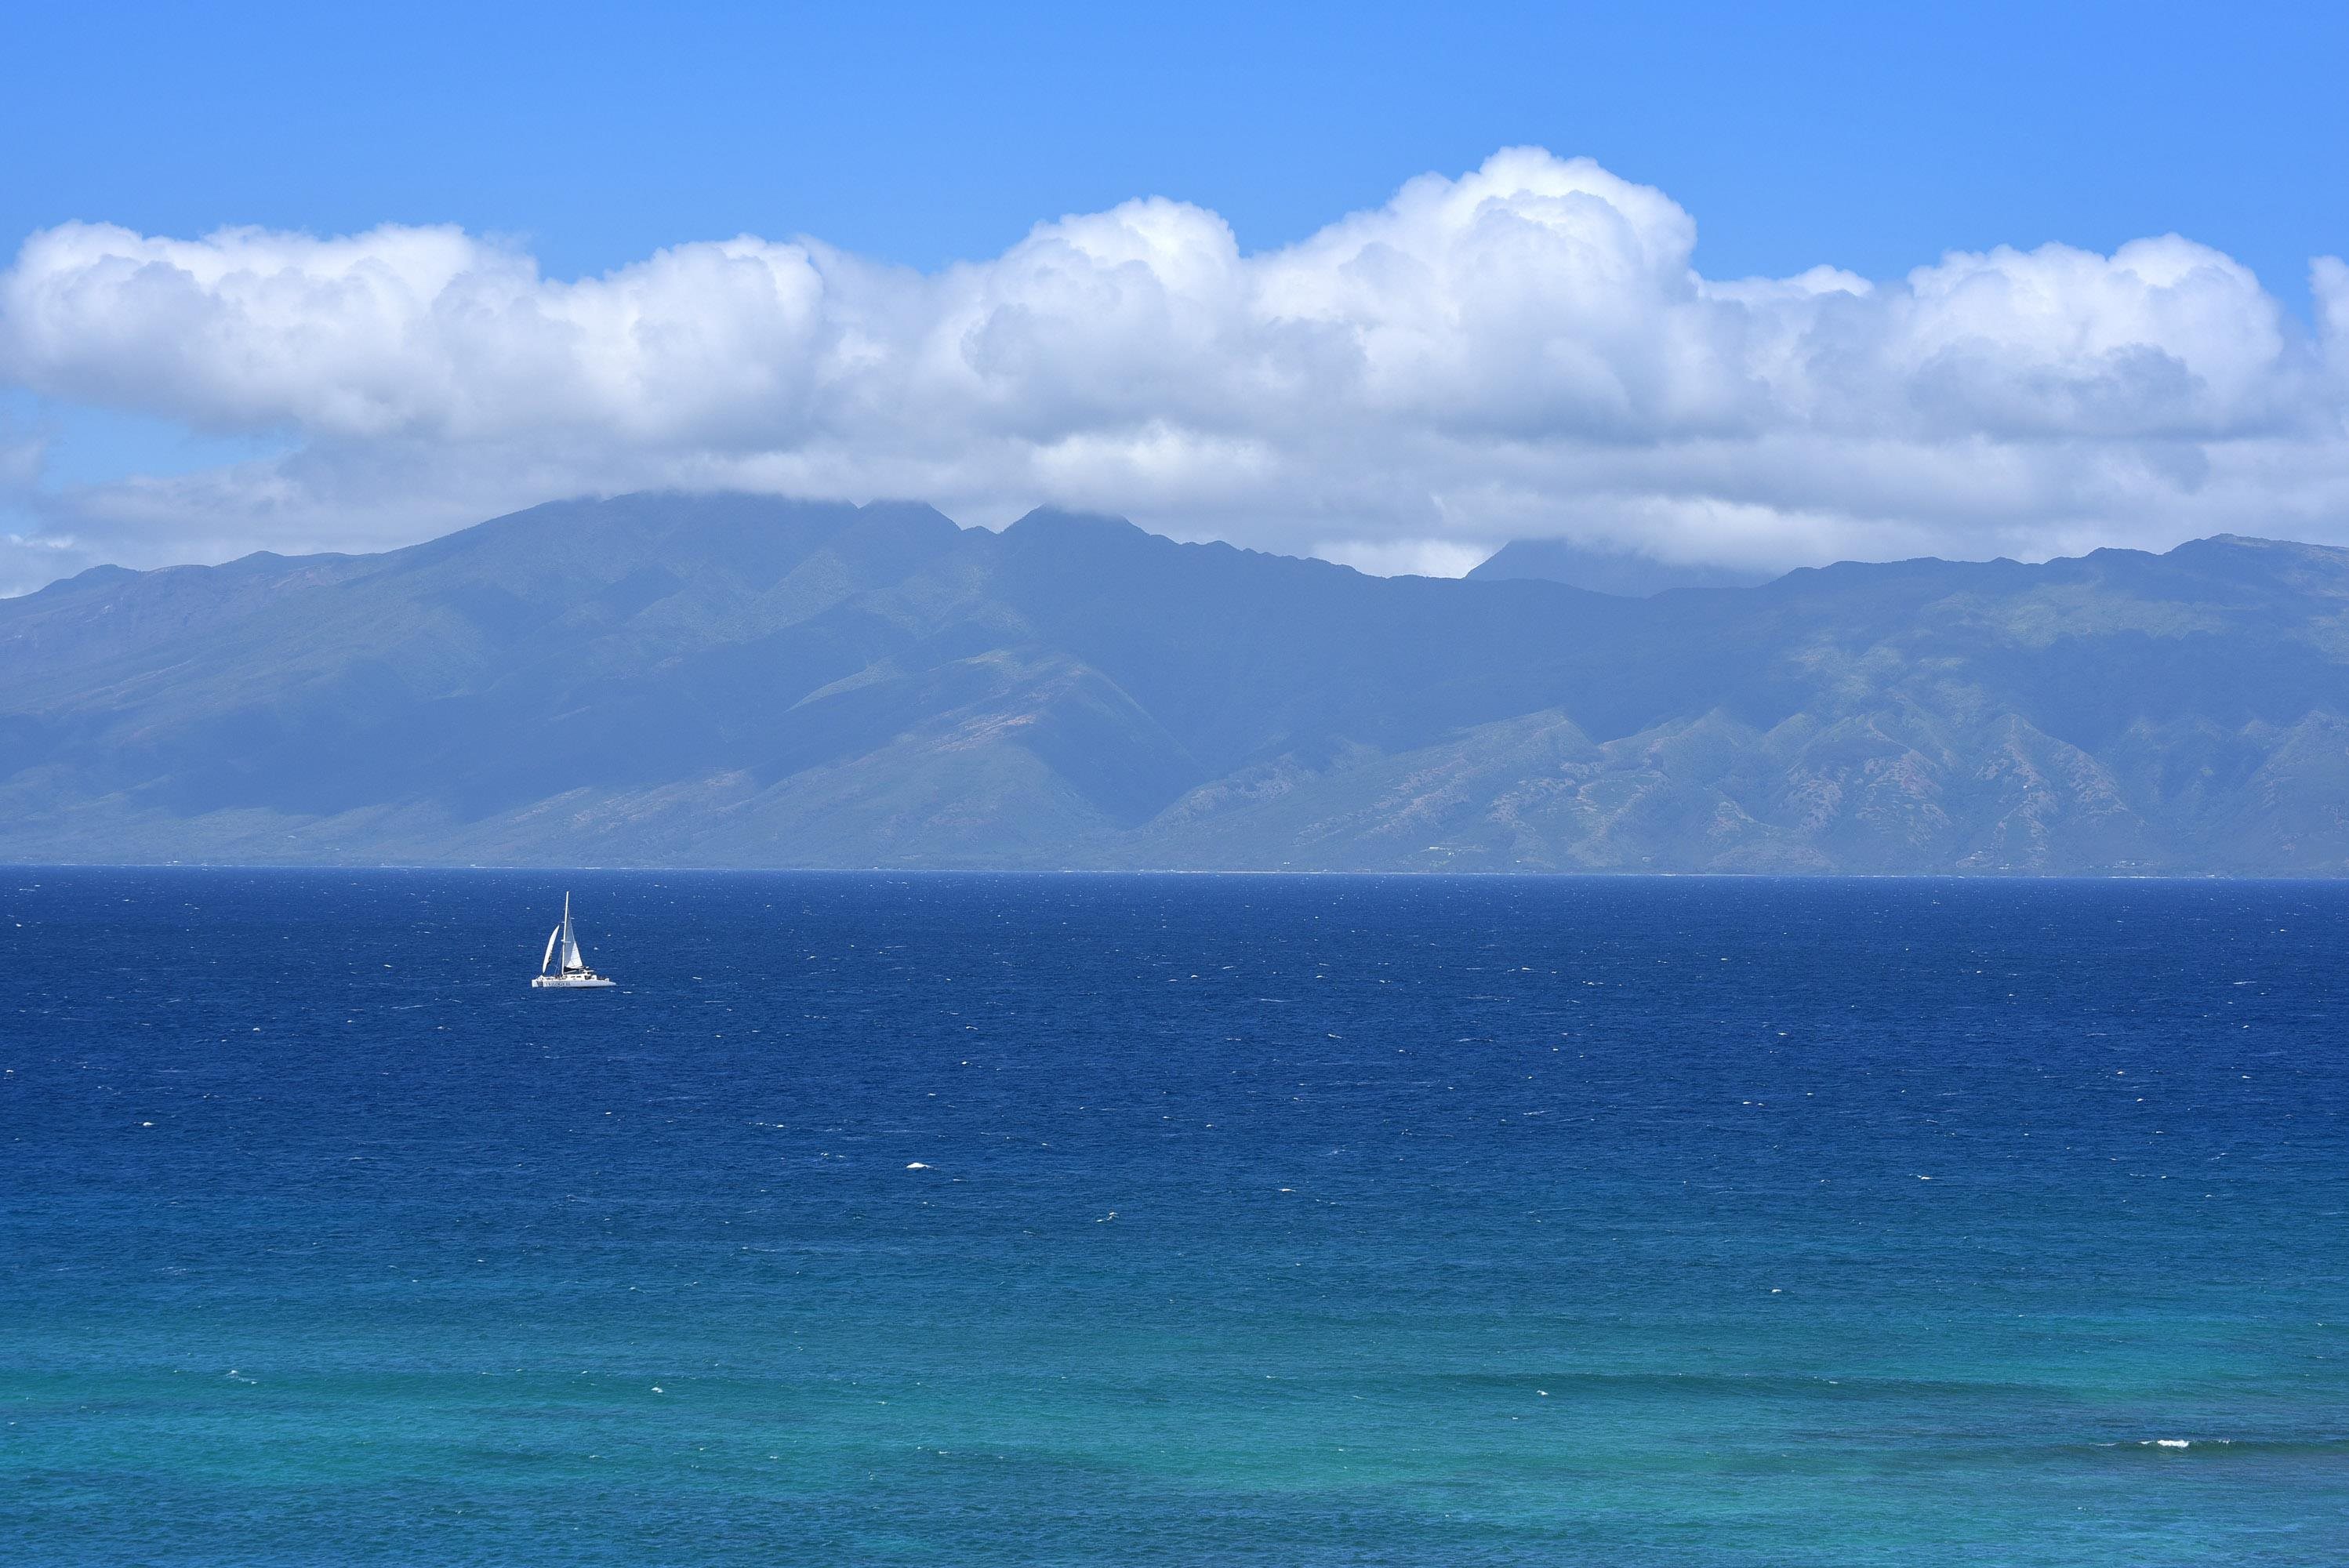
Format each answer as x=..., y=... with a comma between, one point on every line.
x=743, y=681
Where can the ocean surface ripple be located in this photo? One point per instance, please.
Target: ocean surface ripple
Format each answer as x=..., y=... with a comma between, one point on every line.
x=973, y=1219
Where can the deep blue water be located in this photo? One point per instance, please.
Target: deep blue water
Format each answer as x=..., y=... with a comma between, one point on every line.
x=1278, y=1221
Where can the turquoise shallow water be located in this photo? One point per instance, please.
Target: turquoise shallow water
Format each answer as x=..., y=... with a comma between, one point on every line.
x=1265, y=1221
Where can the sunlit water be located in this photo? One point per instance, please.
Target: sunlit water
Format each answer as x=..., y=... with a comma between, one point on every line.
x=976, y=1219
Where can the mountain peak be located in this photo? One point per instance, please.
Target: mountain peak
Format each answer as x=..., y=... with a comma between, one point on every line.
x=1623, y=574
x=1052, y=521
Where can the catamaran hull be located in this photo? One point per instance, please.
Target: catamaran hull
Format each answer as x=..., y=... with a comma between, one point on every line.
x=567, y=982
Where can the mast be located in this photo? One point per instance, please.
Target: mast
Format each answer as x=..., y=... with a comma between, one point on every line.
x=570, y=943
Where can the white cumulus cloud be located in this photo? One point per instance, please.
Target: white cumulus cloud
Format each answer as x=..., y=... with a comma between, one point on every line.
x=1526, y=349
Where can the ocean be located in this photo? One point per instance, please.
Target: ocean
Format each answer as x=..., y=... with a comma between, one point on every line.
x=1286, y=1221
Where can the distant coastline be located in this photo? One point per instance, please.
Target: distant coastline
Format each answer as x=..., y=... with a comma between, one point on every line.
x=740, y=682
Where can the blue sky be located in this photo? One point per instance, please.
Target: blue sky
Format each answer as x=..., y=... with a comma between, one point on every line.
x=1873, y=138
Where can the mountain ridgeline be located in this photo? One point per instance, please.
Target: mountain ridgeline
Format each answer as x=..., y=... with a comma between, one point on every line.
x=739, y=681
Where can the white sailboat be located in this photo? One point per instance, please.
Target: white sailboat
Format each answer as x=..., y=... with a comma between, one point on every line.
x=574, y=972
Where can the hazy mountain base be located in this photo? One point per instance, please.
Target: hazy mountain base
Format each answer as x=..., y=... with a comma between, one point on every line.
x=1523, y=795
x=729, y=683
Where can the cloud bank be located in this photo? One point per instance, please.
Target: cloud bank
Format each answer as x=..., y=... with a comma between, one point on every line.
x=1527, y=349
